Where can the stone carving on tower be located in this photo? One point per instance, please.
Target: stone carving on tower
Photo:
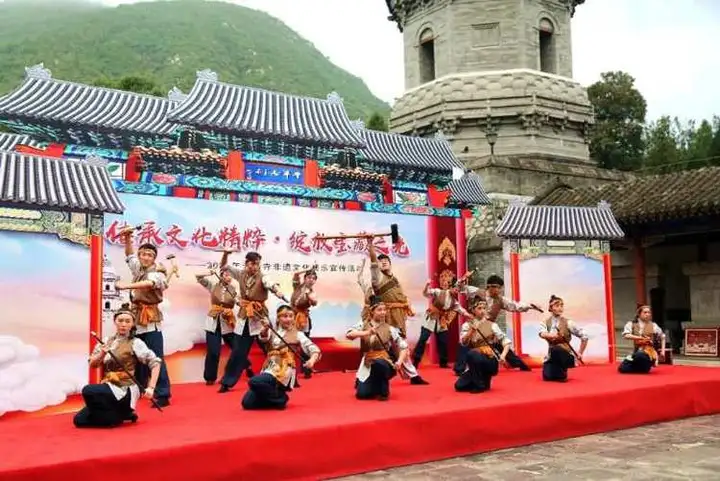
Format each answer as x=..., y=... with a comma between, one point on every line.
x=112, y=299
x=499, y=74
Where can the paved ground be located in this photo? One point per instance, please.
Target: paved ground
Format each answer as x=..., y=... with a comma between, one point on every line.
x=679, y=450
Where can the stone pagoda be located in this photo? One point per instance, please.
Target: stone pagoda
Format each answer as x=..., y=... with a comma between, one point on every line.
x=495, y=77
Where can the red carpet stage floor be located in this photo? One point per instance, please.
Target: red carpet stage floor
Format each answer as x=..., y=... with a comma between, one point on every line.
x=325, y=432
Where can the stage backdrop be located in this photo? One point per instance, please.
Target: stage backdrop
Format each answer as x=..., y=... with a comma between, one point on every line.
x=44, y=293
x=197, y=230
x=572, y=270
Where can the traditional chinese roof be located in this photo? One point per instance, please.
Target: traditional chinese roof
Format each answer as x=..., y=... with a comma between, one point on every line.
x=404, y=150
x=468, y=190
x=334, y=171
x=57, y=184
x=43, y=99
x=9, y=141
x=522, y=221
x=178, y=154
x=644, y=199
x=254, y=112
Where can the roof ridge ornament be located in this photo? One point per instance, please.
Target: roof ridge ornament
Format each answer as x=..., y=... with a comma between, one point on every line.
x=603, y=204
x=440, y=135
x=38, y=71
x=207, y=75
x=358, y=124
x=176, y=95
x=95, y=159
x=518, y=202
x=334, y=98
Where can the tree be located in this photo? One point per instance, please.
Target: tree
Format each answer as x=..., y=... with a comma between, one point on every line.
x=663, y=150
x=132, y=83
x=616, y=139
x=377, y=122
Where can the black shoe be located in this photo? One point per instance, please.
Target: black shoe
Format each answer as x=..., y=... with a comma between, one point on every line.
x=307, y=373
x=418, y=381
x=132, y=417
x=249, y=372
x=525, y=368
x=223, y=388
x=444, y=365
x=383, y=397
x=161, y=402
x=209, y=383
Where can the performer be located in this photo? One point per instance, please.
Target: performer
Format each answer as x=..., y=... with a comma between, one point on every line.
x=558, y=331
x=388, y=288
x=479, y=335
x=378, y=340
x=113, y=401
x=254, y=289
x=268, y=390
x=643, y=332
x=443, y=309
x=496, y=303
x=367, y=291
x=301, y=300
x=146, y=294
x=219, y=324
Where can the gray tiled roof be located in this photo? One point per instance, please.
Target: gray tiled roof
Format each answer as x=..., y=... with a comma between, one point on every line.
x=57, y=184
x=9, y=141
x=256, y=112
x=468, y=190
x=396, y=149
x=43, y=98
x=522, y=221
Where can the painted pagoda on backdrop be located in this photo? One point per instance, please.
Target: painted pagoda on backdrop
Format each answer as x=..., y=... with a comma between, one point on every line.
x=231, y=142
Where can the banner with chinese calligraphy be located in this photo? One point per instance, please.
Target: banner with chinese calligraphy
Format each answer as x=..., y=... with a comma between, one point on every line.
x=196, y=231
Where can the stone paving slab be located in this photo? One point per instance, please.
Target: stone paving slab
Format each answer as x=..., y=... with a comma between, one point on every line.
x=685, y=450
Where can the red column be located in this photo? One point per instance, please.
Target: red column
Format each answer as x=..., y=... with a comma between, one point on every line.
x=515, y=286
x=388, y=197
x=640, y=272
x=96, y=267
x=609, y=308
x=235, y=169
x=132, y=167
x=185, y=192
x=311, y=173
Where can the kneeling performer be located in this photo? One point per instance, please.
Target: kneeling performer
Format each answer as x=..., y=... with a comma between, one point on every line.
x=558, y=332
x=479, y=335
x=113, y=401
x=379, y=364
x=268, y=390
x=643, y=332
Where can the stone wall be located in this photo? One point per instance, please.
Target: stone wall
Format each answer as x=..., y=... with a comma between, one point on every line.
x=704, y=293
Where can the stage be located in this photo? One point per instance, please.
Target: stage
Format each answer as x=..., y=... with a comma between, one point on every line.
x=326, y=433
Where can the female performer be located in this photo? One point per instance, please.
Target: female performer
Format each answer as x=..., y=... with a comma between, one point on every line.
x=268, y=390
x=301, y=300
x=480, y=335
x=558, y=331
x=113, y=401
x=378, y=341
x=643, y=332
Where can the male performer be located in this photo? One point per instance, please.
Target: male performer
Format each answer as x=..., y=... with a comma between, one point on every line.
x=387, y=287
x=444, y=308
x=558, y=331
x=301, y=300
x=366, y=289
x=496, y=303
x=219, y=324
x=643, y=332
x=146, y=293
x=254, y=289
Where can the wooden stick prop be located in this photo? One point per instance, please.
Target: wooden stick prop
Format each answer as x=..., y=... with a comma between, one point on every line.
x=492, y=346
x=129, y=374
x=175, y=270
x=304, y=357
x=394, y=235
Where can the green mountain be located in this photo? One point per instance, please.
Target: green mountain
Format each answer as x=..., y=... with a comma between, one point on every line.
x=168, y=42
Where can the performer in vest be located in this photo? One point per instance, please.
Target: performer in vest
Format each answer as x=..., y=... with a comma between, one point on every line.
x=219, y=324
x=444, y=308
x=113, y=401
x=378, y=343
x=643, y=332
x=387, y=287
x=496, y=303
x=301, y=300
x=270, y=388
x=146, y=294
x=558, y=331
x=255, y=287
x=480, y=336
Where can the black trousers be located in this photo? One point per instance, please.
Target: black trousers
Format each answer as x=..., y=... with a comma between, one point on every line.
x=156, y=343
x=640, y=364
x=513, y=360
x=213, y=344
x=442, y=344
x=478, y=376
x=264, y=392
x=378, y=383
x=557, y=365
x=240, y=356
x=102, y=409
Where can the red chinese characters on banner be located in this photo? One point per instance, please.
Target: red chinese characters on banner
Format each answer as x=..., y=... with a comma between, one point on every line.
x=250, y=239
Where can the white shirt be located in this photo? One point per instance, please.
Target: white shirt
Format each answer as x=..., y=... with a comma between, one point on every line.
x=641, y=328
x=159, y=281
x=499, y=335
x=398, y=342
x=450, y=303
x=574, y=329
x=307, y=346
x=209, y=283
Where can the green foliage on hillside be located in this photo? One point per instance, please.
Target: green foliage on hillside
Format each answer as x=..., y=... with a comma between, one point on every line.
x=167, y=42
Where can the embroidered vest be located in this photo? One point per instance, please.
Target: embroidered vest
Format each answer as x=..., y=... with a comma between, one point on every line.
x=219, y=295
x=372, y=343
x=563, y=330
x=483, y=327
x=148, y=296
x=299, y=299
x=647, y=331
x=251, y=287
x=113, y=372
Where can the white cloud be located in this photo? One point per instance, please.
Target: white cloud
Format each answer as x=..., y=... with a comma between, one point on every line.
x=29, y=382
x=180, y=333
